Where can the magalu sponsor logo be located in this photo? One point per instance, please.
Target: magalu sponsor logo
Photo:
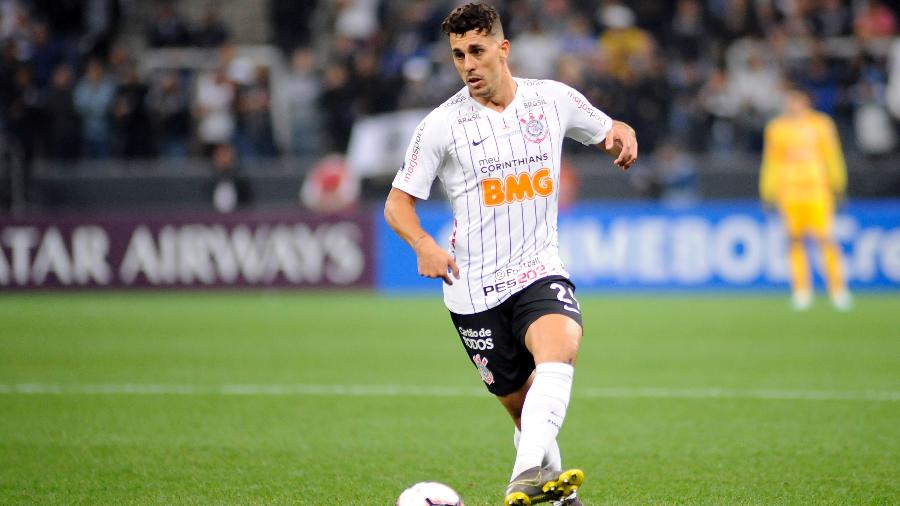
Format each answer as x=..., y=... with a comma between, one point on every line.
x=517, y=187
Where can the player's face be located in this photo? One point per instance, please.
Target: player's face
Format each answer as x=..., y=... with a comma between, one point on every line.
x=480, y=60
x=796, y=103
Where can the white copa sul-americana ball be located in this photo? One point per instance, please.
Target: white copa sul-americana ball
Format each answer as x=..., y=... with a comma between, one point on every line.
x=429, y=493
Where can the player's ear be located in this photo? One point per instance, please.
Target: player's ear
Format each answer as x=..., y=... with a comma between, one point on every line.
x=504, y=48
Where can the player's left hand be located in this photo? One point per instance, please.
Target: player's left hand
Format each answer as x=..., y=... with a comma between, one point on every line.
x=621, y=141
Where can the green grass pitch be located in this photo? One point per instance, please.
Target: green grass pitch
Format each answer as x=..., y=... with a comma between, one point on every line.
x=347, y=398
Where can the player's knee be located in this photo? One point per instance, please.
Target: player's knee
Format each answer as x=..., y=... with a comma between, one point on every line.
x=554, y=338
x=565, y=351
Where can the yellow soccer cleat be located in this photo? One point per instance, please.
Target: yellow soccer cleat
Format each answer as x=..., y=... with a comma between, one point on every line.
x=538, y=485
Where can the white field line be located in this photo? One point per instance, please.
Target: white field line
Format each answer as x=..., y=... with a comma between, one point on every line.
x=436, y=391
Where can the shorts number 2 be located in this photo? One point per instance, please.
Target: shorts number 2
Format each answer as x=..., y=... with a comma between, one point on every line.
x=567, y=302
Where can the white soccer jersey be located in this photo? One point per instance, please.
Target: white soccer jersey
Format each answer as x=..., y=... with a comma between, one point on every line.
x=500, y=171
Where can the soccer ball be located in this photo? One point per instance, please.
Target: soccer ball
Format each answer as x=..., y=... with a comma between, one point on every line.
x=429, y=493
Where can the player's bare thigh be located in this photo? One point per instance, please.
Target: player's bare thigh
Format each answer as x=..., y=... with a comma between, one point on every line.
x=554, y=338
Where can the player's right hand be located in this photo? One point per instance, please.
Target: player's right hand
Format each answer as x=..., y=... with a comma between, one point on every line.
x=434, y=261
x=621, y=141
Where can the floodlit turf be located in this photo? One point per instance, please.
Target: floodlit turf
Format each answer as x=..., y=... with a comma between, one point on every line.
x=320, y=399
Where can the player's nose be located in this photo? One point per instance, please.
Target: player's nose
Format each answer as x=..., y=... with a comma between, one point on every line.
x=469, y=63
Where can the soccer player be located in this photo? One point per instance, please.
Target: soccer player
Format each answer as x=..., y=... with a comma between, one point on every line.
x=804, y=176
x=496, y=147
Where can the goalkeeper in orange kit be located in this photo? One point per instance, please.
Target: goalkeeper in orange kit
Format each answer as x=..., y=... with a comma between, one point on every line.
x=804, y=176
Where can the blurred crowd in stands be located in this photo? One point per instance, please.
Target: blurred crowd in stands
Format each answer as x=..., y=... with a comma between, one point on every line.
x=702, y=75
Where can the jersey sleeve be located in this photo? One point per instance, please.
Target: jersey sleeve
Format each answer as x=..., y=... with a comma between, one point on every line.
x=582, y=121
x=424, y=157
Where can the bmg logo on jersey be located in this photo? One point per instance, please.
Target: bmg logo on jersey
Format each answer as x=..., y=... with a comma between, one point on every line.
x=517, y=187
x=476, y=339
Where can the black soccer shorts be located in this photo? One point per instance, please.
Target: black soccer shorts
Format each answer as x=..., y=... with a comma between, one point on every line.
x=495, y=339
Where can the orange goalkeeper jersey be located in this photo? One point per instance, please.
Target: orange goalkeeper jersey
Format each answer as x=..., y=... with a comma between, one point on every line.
x=802, y=160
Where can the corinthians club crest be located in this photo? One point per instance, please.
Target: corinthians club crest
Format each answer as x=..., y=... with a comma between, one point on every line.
x=481, y=363
x=534, y=129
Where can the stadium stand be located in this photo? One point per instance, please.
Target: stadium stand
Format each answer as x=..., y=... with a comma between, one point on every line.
x=106, y=101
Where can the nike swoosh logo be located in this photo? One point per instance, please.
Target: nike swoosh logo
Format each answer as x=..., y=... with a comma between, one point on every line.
x=475, y=143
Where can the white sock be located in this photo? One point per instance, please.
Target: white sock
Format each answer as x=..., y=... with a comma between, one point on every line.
x=552, y=459
x=543, y=413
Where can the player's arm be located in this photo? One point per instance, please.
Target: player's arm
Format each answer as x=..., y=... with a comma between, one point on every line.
x=433, y=260
x=590, y=126
x=767, y=174
x=621, y=143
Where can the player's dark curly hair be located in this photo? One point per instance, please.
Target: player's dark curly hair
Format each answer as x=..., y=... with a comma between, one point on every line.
x=480, y=17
